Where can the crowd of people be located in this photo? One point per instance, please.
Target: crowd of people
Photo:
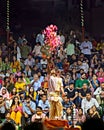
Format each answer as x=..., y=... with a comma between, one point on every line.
x=67, y=85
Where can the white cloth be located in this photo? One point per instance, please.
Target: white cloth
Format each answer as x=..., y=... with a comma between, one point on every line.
x=51, y=84
x=40, y=38
x=43, y=61
x=62, y=39
x=99, y=91
x=18, y=54
x=85, y=67
x=29, y=62
x=85, y=105
x=86, y=47
x=37, y=50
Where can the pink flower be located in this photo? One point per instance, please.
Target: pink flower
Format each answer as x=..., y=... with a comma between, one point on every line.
x=51, y=37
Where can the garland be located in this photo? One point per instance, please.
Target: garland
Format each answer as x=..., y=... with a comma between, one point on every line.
x=51, y=37
x=52, y=40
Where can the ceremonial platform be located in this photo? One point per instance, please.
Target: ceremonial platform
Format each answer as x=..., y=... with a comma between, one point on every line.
x=59, y=125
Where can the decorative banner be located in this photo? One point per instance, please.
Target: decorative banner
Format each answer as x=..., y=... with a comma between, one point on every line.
x=8, y=28
x=52, y=40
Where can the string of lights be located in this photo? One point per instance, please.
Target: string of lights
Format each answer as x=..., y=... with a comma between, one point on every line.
x=82, y=13
x=82, y=18
x=8, y=18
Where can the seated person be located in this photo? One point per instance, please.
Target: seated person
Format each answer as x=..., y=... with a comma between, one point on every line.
x=72, y=93
x=20, y=85
x=83, y=91
x=66, y=103
x=68, y=115
x=16, y=111
x=38, y=116
x=44, y=103
x=4, y=92
x=4, y=106
x=99, y=94
x=29, y=108
x=8, y=119
x=80, y=117
x=92, y=113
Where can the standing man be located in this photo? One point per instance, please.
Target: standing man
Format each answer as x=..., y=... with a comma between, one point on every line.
x=40, y=38
x=55, y=86
x=70, y=49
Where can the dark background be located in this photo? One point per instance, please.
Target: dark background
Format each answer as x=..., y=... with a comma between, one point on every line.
x=30, y=16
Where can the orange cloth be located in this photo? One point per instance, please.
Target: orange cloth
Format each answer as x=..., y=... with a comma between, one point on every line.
x=45, y=84
x=56, y=108
x=72, y=128
x=56, y=123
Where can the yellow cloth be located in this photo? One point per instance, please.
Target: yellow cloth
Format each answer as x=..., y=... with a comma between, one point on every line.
x=20, y=86
x=15, y=65
x=59, y=84
x=54, y=96
x=56, y=107
x=16, y=116
x=78, y=127
x=34, y=96
x=100, y=46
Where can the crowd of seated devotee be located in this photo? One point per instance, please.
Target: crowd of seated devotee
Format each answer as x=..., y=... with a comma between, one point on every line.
x=24, y=75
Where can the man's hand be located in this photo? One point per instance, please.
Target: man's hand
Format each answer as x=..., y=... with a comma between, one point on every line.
x=28, y=104
x=26, y=115
x=71, y=99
